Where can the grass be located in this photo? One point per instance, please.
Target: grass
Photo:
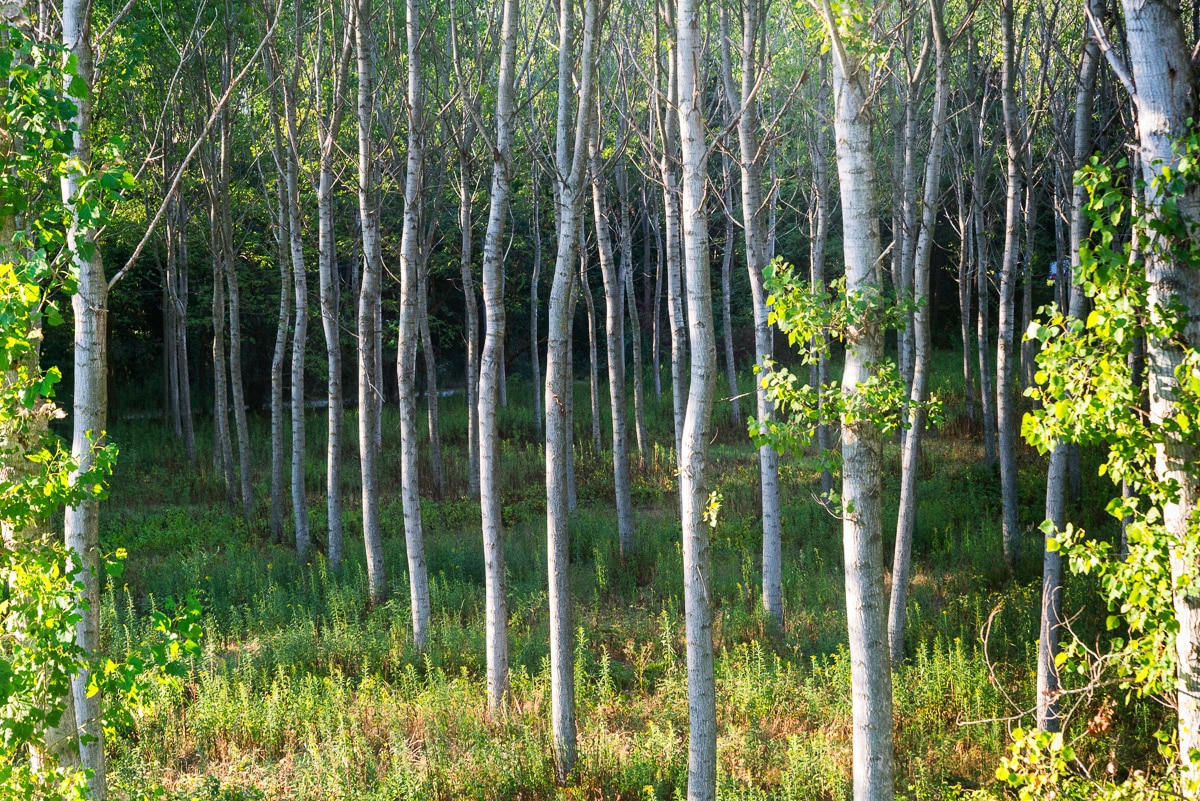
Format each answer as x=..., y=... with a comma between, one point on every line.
x=302, y=692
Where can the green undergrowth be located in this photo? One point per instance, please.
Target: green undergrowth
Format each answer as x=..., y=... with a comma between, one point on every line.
x=303, y=692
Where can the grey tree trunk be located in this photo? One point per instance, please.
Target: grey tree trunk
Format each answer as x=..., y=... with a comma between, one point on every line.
x=496, y=625
x=330, y=301
x=283, y=241
x=300, y=327
x=535, y=348
x=822, y=196
x=635, y=323
x=90, y=406
x=693, y=459
x=614, y=327
x=727, y=249
x=1006, y=421
x=409, y=330
x=1048, y=685
x=369, y=323
x=656, y=329
x=472, y=308
x=982, y=268
x=668, y=166
x=1160, y=62
x=589, y=304
x=758, y=255
x=437, y=473
x=862, y=443
x=569, y=176
x=907, y=514
x=965, y=285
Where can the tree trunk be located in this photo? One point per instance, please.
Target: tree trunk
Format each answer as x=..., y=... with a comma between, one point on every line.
x=635, y=323
x=283, y=239
x=569, y=175
x=330, y=302
x=585, y=289
x=862, y=442
x=983, y=292
x=907, y=514
x=369, y=322
x=1166, y=101
x=670, y=179
x=693, y=458
x=656, y=331
x=406, y=352
x=535, y=347
x=90, y=407
x=472, y=309
x=1006, y=421
x=757, y=258
x=614, y=327
x=1056, y=474
x=496, y=625
x=300, y=329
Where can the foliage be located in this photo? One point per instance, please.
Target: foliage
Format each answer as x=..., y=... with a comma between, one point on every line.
x=1089, y=395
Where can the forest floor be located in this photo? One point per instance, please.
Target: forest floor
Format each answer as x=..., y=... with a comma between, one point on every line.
x=302, y=692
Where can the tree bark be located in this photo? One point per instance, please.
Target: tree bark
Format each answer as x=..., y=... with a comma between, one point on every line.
x=614, y=327
x=496, y=623
x=369, y=323
x=406, y=352
x=635, y=323
x=569, y=175
x=862, y=442
x=910, y=457
x=471, y=304
x=90, y=406
x=1160, y=62
x=283, y=255
x=585, y=289
x=1006, y=421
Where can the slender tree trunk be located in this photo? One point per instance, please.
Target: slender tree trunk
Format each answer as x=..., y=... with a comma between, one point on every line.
x=180, y=299
x=965, y=285
x=283, y=255
x=570, y=163
x=585, y=290
x=369, y=323
x=300, y=329
x=535, y=348
x=862, y=442
x=406, y=353
x=1006, y=422
x=656, y=333
x=472, y=308
x=668, y=166
x=693, y=459
x=820, y=238
x=1056, y=474
x=90, y=406
x=757, y=258
x=614, y=327
x=907, y=515
x=635, y=323
x=496, y=630
x=330, y=302
x=727, y=250
x=437, y=474
x=222, y=443
x=983, y=292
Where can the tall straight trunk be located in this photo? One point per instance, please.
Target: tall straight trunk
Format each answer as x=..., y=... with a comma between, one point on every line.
x=668, y=168
x=693, y=459
x=625, y=234
x=496, y=607
x=727, y=250
x=569, y=176
x=862, y=442
x=330, y=301
x=656, y=330
x=965, y=285
x=283, y=238
x=180, y=299
x=237, y=393
x=758, y=255
x=437, y=473
x=1028, y=348
x=914, y=86
x=369, y=322
x=820, y=239
x=409, y=329
x=982, y=287
x=90, y=405
x=222, y=442
x=589, y=305
x=1006, y=421
x=535, y=348
x=300, y=327
x=1166, y=100
x=1048, y=685
x=907, y=514
x=472, y=309
x=614, y=328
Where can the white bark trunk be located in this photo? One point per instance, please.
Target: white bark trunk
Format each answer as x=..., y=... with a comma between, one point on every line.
x=496, y=624
x=369, y=323
x=90, y=409
x=300, y=327
x=862, y=443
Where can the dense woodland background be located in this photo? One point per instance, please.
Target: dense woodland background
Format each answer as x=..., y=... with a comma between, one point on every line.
x=757, y=339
